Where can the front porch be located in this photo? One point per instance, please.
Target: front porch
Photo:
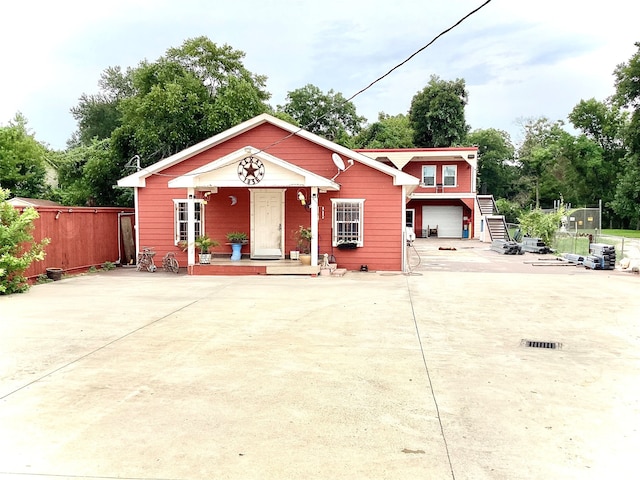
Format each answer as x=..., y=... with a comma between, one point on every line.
x=247, y=266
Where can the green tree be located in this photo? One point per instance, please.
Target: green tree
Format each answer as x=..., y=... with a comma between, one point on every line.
x=17, y=248
x=627, y=198
x=98, y=115
x=599, y=166
x=22, y=160
x=85, y=175
x=390, y=131
x=437, y=113
x=157, y=109
x=326, y=114
x=497, y=171
x=542, y=160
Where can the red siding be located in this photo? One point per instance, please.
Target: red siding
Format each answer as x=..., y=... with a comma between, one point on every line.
x=463, y=175
x=383, y=221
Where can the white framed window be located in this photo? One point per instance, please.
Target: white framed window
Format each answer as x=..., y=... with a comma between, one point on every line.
x=348, y=216
x=449, y=175
x=181, y=219
x=429, y=175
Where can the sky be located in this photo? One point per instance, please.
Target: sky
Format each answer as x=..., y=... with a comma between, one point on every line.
x=519, y=59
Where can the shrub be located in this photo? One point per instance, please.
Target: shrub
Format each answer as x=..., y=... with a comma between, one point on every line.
x=17, y=248
x=539, y=224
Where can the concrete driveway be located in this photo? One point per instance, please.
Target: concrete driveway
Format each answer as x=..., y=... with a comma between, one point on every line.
x=134, y=375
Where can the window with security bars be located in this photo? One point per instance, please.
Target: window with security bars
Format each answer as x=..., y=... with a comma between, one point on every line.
x=182, y=219
x=347, y=222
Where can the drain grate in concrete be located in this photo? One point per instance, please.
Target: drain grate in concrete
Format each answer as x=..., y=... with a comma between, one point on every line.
x=539, y=344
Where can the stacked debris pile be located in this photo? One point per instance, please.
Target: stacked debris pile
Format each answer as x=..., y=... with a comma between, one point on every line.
x=601, y=257
x=535, y=245
x=507, y=247
x=602, y=254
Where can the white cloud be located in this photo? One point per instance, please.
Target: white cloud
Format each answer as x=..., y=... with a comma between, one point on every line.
x=518, y=59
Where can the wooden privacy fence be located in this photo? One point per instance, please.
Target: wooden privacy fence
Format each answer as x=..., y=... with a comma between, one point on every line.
x=83, y=237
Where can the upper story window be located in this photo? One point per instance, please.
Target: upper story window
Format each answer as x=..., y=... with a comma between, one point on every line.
x=429, y=175
x=348, y=218
x=181, y=219
x=449, y=174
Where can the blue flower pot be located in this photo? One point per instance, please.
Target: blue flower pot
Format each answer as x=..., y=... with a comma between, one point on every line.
x=236, y=251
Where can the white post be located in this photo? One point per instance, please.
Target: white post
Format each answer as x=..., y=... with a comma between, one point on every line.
x=405, y=250
x=191, y=227
x=314, y=226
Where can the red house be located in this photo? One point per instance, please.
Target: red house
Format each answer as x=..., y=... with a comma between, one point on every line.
x=267, y=177
x=444, y=203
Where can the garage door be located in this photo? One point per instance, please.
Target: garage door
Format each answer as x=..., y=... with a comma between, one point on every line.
x=447, y=218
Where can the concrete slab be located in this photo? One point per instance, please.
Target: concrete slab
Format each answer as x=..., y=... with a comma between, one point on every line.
x=126, y=374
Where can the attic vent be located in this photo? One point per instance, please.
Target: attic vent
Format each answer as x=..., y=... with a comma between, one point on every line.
x=539, y=344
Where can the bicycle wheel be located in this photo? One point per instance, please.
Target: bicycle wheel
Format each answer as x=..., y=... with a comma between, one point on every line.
x=174, y=266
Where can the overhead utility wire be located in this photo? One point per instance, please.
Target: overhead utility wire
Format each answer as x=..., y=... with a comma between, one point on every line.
x=382, y=77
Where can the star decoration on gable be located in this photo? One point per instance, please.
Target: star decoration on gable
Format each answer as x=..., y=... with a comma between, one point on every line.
x=251, y=170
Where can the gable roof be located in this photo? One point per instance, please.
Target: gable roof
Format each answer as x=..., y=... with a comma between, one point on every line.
x=219, y=174
x=137, y=179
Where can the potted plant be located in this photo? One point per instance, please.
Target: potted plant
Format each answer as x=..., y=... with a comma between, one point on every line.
x=236, y=239
x=303, y=239
x=204, y=244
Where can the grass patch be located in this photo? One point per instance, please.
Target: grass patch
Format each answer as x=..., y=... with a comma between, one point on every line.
x=622, y=233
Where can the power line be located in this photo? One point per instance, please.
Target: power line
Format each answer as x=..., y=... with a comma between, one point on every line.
x=380, y=78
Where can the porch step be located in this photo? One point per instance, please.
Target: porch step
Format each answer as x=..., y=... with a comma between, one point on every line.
x=292, y=270
x=339, y=272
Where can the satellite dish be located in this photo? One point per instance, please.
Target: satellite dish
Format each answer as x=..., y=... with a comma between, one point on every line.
x=338, y=161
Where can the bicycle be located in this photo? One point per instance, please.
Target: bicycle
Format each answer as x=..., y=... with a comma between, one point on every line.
x=170, y=263
x=145, y=260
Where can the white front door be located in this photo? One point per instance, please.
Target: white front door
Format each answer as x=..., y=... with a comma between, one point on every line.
x=267, y=223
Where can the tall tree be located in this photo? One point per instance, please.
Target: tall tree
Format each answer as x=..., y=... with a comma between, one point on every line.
x=627, y=198
x=541, y=157
x=22, y=160
x=326, y=114
x=159, y=108
x=497, y=172
x=598, y=153
x=388, y=132
x=437, y=113
x=98, y=115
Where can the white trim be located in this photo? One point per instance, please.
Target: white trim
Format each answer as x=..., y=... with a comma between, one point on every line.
x=334, y=234
x=138, y=179
x=201, y=176
x=176, y=232
x=455, y=178
x=422, y=177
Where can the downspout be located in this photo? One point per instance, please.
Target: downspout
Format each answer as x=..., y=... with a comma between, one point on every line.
x=314, y=226
x=404, y=230
x=191, y=227
x=136, y=205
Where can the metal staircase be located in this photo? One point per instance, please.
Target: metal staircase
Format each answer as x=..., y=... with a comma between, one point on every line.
x=494, y=222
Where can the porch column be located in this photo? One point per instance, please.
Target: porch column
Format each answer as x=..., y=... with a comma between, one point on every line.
x=191, y=226
x=314, y=226
x=404, y=249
